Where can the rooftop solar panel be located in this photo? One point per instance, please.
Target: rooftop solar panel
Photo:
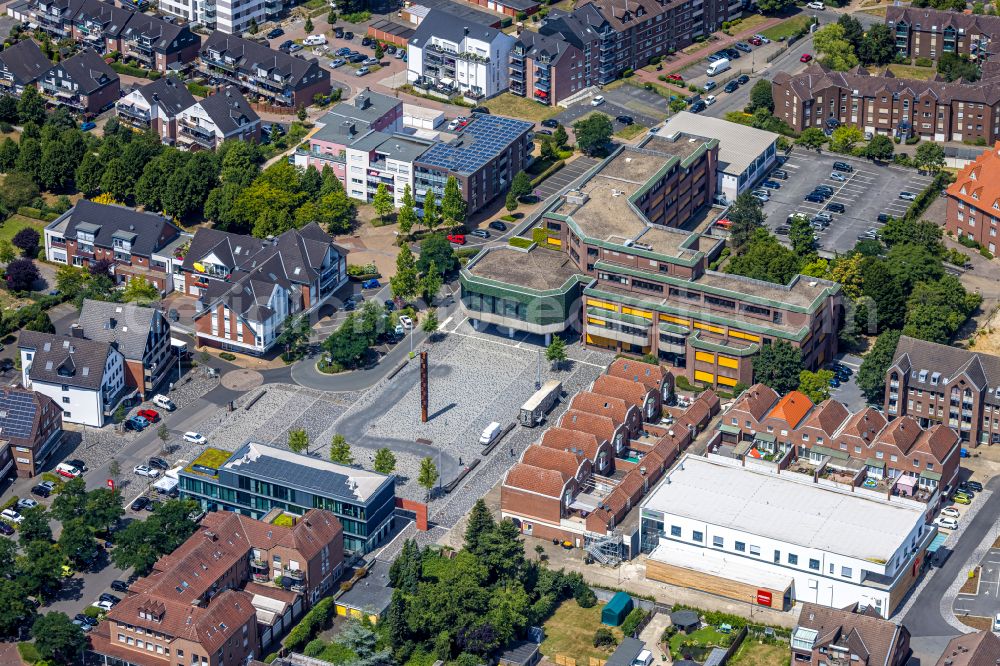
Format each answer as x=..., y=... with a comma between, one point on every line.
x=17, y=413
x=477, y=143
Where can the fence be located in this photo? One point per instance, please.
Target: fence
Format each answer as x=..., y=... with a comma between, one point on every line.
x=773, y=56
x=563, y=660
x=273, y=108
x=594, y=661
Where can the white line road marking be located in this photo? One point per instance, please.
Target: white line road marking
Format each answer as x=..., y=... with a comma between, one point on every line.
x=445, y=322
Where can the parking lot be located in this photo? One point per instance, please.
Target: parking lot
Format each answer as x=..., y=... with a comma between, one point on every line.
x=986, y=601
x=848, y=392
x=865, y=193
x=646, y=108
x=564, y=176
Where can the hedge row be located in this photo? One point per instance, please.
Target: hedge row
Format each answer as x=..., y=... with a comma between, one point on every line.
x=138, y=72
x=930, y=193
x=310, y=624
x=36, y=214
x=524, y=243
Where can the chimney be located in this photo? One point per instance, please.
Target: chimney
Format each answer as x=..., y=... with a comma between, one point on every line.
x=466, y=29
x=76, y=331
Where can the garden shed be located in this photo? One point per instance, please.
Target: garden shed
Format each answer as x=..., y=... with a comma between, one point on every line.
x=617, y=609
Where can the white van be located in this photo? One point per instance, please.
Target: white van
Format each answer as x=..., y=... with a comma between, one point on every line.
x=718, y=67
x=492, y=432
x=314, y=40
x=68, y=471
x=645, y=658
x=163, y=401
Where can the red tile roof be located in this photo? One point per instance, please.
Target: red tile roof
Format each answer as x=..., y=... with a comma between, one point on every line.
x=651, y=376
x=615, y=408
x=828, y=416
x=864, y=424
x=546, y=482
x=631, y=392
x=757, y=400
x=978, y=183
x=602, y=427
x=563, y=461
x=792, y=408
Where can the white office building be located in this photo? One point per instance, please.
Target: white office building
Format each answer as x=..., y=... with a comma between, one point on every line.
x=768, y=538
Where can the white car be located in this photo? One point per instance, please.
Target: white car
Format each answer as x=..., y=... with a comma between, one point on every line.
x=11, y=516
x=710, y=100
x=314, y=40
x=143, y=470
x=815, y=5
x=597, y=101
x=406, y=321
x=951, y=512
x=105, y=606
x=946, y=522
x=763, y=39
x=195, y=438
x=26, y=503
x=996, y=622
x=836, y=175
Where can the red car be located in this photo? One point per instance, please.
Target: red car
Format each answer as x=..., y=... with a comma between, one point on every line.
x=755, y=41
x=675, y=77
x=150, y=415
x=805, y=57
x=457, y=239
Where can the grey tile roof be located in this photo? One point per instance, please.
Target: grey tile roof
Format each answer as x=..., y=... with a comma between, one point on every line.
x=149, y=227
x=579, y=28
x=165, y=37
x=61, y=359
x=111, y=18
x=366, y=108
x=626, y=652
x=168, y=92
x=445, y=25
x=913, y=355
x=89, y=71
x=127, y=325
x=249, y=56
x=927, y=18
x=464, y=11
x=25, y=61
x=372, y=594
x=229, y=110
x=537, y=45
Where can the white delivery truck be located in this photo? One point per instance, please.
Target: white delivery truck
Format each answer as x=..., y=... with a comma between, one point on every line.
x=539, y=404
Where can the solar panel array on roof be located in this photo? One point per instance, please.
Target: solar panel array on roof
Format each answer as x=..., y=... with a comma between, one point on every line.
x=478, y=142
x=17, y=414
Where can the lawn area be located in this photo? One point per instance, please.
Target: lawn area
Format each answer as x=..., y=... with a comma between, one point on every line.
x=570, y=632
x=752, y=653
x=630, y=132
x=520, y=107
x=875, y=11
x=787, y=28
x=14, y=223
x=912, y=72
x=697, y=644
x=749, y=23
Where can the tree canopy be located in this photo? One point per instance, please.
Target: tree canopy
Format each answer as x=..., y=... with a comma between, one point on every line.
x=593, y=133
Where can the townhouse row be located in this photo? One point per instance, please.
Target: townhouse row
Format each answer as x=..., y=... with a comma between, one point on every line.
x=82, y=83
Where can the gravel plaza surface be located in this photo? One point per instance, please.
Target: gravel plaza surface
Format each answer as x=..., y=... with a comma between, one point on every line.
x=868, y=191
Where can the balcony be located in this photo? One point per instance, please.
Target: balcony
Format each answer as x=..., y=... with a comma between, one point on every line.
x=196, y=134
x=133, y=116
x=470, y=57
x=294, y=574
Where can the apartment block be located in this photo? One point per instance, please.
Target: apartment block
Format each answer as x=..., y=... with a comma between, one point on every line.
x=31, y=423
x=930, y=33
x=231, y=17
x=263, y=73
x=225, y=115
x=82, y=83
x=941, y=384
x=22, y=64
x=612, y=264
x=860, y=451
x=932, y=110
x=156, y=106
x=99, y=25
x=848, y=635
x=546, y=69
x=974, y=200
x=157, y=44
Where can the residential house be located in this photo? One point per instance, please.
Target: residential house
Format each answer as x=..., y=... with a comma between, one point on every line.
x=974, y=200
x=83, y=83
x=980, y=648
x=21, y=64
x=233, y=18
x=54, y=17
x=247, y=288
x=650, y=375
x=138, y=245
x=930, y=33
x=223, y=116
x=158, y=44
x=451, y=53
x=830, y=635
x=156, y=106
x=98, y=25
x=30, y=428
x=264, y=73
x=545, y=68
x=85, y=378
x=141, y=334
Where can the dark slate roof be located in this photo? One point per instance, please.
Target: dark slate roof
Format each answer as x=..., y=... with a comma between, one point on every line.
x=61, y=359
x=914, y=355
x=112, y=19
x=233, y=250
x=867, y=635
x=229, y=110
x=927, y=18
x=25, y=61
x=579, y=27
x=89, y=71
x=149, y=227
x=165, y=37
x=21, y=414
x=537, y=45
x=445, y=25
x=170, y=93
x=127, y=325
x=626, y=652
x=372, y=593
x=309, y=473
x=519, y=653
x=464, y=11
x=249, y=56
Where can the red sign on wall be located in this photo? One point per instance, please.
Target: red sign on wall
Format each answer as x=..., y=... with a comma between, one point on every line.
x=111, y=484
x=763, y=598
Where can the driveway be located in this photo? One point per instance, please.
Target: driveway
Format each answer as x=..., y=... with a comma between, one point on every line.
x=848, y=392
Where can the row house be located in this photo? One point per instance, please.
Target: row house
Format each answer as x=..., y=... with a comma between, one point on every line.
x=933, y=110
x=246, y=288
x=634, y=283
x=158, y=44
x=215, y=599
x=54, y=17
x=939, y=384
x=137, y=244
x=263, y=73
x=898, y=458
x=974, y=200
x=225, y=115
x=83, y=83
x=98, y=25
x=156, y=107
x=930, y=33
x=22, y=64
x=31, y=423
x=825, y=635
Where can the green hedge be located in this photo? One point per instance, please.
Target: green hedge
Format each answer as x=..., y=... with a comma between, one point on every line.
x=36, y=214
x=226, y=356
x=198, y=90
x=132, y=70
x=930, y=193
x=683, y=384
x=517, y=241
x=548, y=172
x=310, y=624
x=540, y=235
x=29, y=653
x=9, y=503
x=633, y=620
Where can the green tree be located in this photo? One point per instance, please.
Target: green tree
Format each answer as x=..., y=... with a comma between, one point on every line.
x=294, y=335
x=309, y=25
x=405, y=283
x=746, y=215
x=480, y=523
x=31, y=106
x=432, y=216
x=521, y=185
x=7, y=252
x=29, y=158
x=835, y=50
x=593, y=133
x=118, y=179
x=766, y=259
x=139, y=291
x=453, y=206
x=252, y=26
x=879, y=148
x=935, y=310
x=8, y=150
x=871, y=374
x=141, y=543
x=430, y=283
x=801, y=235
x=853, y=31
x=56, y=637
x=778, y=365
x=436, y=248
x=57, y=165
x=878, y=46
x=8, y=109
x=907, y=231
x=503, y=552
x=816, y=385
x=163, y=434
x=71, y=502
x=774, y=6
x=340, y=450
x=39, y=569
x=77, y=542
x=428, y=475
x=346, y=345
x=14, y=609
x=35, y=526
x=510, y=202
x=845, y=137
x=382, y=201
x=761, y=97
x=71, y=280
x=407, y=215
x=953, y=67
x=104, y=506
x=298, y=440
x=301, y=114
x=89, y=174
x=430, y=323
x=929, y=157
x=811, y=137
x=883, y=291
x=385, y=461
x=556, y=351
x=911, y=264
x=559, y=136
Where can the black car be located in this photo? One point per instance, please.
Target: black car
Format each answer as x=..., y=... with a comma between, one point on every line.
x=783, y=230
x=498, y=225
x=842, y=166
x=732, y=54
x=5, y=528
x=76, y=462
x=274, y=34
x=367, y=41
x=743, y=80
x=779, y=174
x=483, y=109
x=338, y=33
x=119, y=586
x=550, y=122
x=348, y=36
x=835, y=207
x=110, y=598
x=153, y=505
x=815, y=198
x=286, y=45
x=546, y=132
x=732, y=86
x=390, y=305
x=825, y=189
x=173, y=315
x=974, y=485
x=698, y=106
x=356, y=58
x=89, y=621
x=391, y=49
x=158, y=463
x=140, y=503
x=883, y=218
x=350, y=304
x=625, y=120
x=41, y=491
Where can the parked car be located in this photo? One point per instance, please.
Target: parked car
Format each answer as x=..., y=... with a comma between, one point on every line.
x=140, y=503
x=843, y=166
x=150, y=415
x=401, y=55
x=782, y=230
x=371, y=283
x=771, y=184
x=974, y=485
x=43, y=489
x=136, y=423
x=676, y=78
x=163, y=402
x=348, y=35
x=406, y=322
x=67, y=470
x=733, y=54
x=479, y=233
x=337, y=62
x=550, y=122
x=370, y=61
x=946, y=522
x=544, y=132
x=825, y=189
x=105, y=606
x=480, y=109
x=743, y=79
x=907, y=196
x=762, y=38
x=343, y=51
x=361, y=71
x=498, y=225
x=26, y=503
x=755, y=41
x=761, y=197
x=6, y=529
x=158, y=463
x=805, y=57
x=354, y=58
x=597, y=101
x=11, y=516
x=731, y=87
x=709, y=100
x=961, y=499
x=698, y=106
x=814, y=197
x=314, y=40
x=195, y=438
x=87, y=126
x=836, y=175
x=119, y=586
x=951, y=512
x=883, y=218
x=835, y=207
x=710, y=85
x=275, y=33
x=457, y=239
x=762, y=192
x=868, y=234
x=743, y=46
x=145, y=470
x=815, y=4
x=625, y=120
x=338, y=32
x=780, y=174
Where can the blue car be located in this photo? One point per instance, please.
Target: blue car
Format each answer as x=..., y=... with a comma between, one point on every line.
x=371, y=284
x=834, y=383
x=343, y=51
x=137, y=423
x=87, y=126
x=771, y=185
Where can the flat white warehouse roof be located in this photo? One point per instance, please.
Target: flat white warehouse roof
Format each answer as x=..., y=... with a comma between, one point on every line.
x=739, y=145
x=773, y=507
